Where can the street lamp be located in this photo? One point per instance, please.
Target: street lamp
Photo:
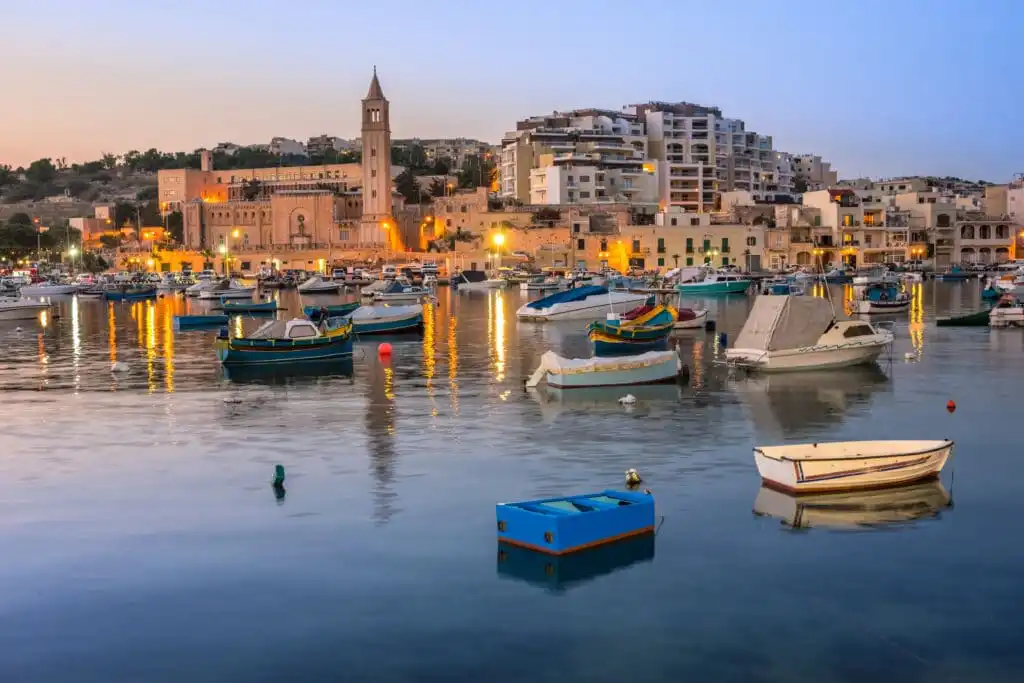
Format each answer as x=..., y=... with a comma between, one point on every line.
x=223, y=249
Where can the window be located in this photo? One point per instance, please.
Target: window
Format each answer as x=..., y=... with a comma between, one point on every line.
x=575, y=227
x=725, y=245
x=246, y=265
x=858, y=331
x=707, y=246
x=867, y=240
x=817, y=221
x=751, y=241
x=689, y=248
x=581, y=244
x=373, y=151
x=725, y=262
x=689, y=260
x=584, y=194
x=661, y=261
x=942, y=220
x=584, y=179
x=373, y=173
x=636, y=246
x=343, y=235
x=661, y=245
x=604, y=245
x=694, y=221
x=673, y=222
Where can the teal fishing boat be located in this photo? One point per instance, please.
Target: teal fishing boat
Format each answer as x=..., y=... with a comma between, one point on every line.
x=130, y=293
x=191, y=322
x=318, y=313
x=715, y=283
x=248, y=306
x=287, y=341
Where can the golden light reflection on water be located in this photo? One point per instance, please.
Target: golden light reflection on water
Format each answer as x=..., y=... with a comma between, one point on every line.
x=429, y=363
x=499, y=337
x=916, y=327
x=389, y=384
x=168, y=324
x=112, y=332
x=698, y=363
x=151, y=345
x=453, y=363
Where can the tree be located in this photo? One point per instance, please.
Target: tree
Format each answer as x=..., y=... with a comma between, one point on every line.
x=7, y=176
x=77, y=187
x=124, y=212
x=406, y=185
x=20, y=218
x=476, y=172
x=109, y=161
x=442, y=166
x=93, y=263
x=438, y=188
x=176, y=226
x=147, y=193
x=91, y=167
x=799, y=185
x=41, y=171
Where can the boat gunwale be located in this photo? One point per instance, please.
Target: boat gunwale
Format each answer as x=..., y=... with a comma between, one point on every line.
x=943, y=444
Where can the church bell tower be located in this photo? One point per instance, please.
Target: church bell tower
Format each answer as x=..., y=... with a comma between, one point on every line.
x=377, y=223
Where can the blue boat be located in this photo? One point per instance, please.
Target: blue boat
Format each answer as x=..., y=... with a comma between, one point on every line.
x=287, y=341
x=715, y=283
x=283, y=373
x=248, y=306
x=189, y=322
x=991, y=293
x=558, y=526
x=559, y=573
x=318, y=313
x=387, y=319
x=645, y=330
x=954, y=274
x=130, y=294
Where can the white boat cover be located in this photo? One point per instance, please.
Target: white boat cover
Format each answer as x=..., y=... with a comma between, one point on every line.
x=785, y=322
x=368, y=313
x=558, y=365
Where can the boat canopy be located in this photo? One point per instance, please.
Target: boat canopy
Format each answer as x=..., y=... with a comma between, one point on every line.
x=285, y=329
x=578, y=294
x=474, y=276
x=368, y=313
x=785, y=322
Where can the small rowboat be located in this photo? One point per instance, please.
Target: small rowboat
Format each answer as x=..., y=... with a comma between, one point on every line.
x=317, y=313
x=849, y=465
x=691, y=319
x=978, y=319
x=622, y=371
x=569, y=524
x=191, y=322
x=248, y=306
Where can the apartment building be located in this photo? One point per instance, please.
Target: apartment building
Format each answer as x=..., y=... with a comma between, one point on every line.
x=321, y=144
x=981, y=238
x=814, y=173
x=458, y=150
x=1015, y=200
x=287, y=146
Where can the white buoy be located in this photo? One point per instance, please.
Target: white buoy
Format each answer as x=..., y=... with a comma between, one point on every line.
x=118, y=366
x=632, y=477
x=17, y=329
x=910, y=355
x=627, y=400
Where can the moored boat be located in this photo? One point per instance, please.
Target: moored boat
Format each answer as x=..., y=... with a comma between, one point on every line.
x=227, y=289
x=849, y=465
x=287, y=341
x=976, y=319
x=582, y=303
x=1009, y=312
x=787, y=333
x=21, y=309
x=130, y=293
x=317, y=313
x=572, y=523
x=882, y=298
x=249, y=306
x=187, y=322
x=399, y=293
x=387, y=319
x=954, y=274
x=690, y=319
x=715, y=283
x=616, y=371
x=48, y=289
x=318, y=285
x=476, y=280
x=643, y=332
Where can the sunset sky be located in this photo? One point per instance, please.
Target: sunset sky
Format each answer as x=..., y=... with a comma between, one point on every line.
x=879, y=88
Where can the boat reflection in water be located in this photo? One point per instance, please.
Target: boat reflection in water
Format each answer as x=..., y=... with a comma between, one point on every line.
x=559, y=573
x=555, y=402
x=854, y=510
x=289, y=373
x=787, y=403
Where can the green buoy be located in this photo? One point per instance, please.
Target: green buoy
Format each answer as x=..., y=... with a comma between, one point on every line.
x=278, y=475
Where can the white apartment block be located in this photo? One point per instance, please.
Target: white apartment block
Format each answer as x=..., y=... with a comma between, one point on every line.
x=455, y=149
x=815, y=173
x=1015, y=200
x=577, y=182
x=320, y=144
x=282, y=146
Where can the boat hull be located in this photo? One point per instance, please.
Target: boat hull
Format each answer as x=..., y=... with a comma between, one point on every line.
x=622, y=375
x=60, y=290
x=737, y=287
x=606, y=345
x=881, y=306
x=411, y=323
x=243, y=307
x=1006, y=317
x=315, y=313
x=803, y=359
x=187, y=322
x=592, y=308
x=694, y=323
x=130, y=296
x=23, y=311
x=244, y=293
x=851, y=473
x=979, y=319
x=236, y=352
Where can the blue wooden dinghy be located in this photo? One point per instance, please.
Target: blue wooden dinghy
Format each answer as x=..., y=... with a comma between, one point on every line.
x=191, y=322
x=387, y=319
x=559, y=573
x=318, y=313
x=287, y=341
x=569, y=524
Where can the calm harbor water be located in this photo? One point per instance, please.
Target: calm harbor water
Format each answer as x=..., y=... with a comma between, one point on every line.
x=143, y=541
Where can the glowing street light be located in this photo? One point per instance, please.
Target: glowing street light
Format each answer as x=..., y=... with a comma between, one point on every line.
x=73, y=252
x=223, y=248
x=498, y=239
x=235, y=233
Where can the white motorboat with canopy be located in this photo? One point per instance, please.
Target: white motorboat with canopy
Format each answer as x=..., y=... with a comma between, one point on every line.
x=788, y=333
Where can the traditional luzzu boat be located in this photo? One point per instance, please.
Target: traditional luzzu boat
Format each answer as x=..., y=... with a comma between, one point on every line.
x=287, y=341
x=558, y=526
x=130, y=293
x=651, y=367
x=882, y=298
x=249, y=306
x=387, y=319
x=791, y=333
x=189, y=322
x=582, y=303
x=976, y=319
x=644, y=331
x=849, y=465
x=854, y=509
x=318, y=313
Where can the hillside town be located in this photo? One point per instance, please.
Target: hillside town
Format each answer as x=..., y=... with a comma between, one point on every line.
x=647, y=187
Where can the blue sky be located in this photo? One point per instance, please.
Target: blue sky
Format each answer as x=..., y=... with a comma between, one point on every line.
x=878, y=88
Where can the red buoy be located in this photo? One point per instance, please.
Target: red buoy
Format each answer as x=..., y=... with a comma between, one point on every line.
x=950, y=405
x=384, y=350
